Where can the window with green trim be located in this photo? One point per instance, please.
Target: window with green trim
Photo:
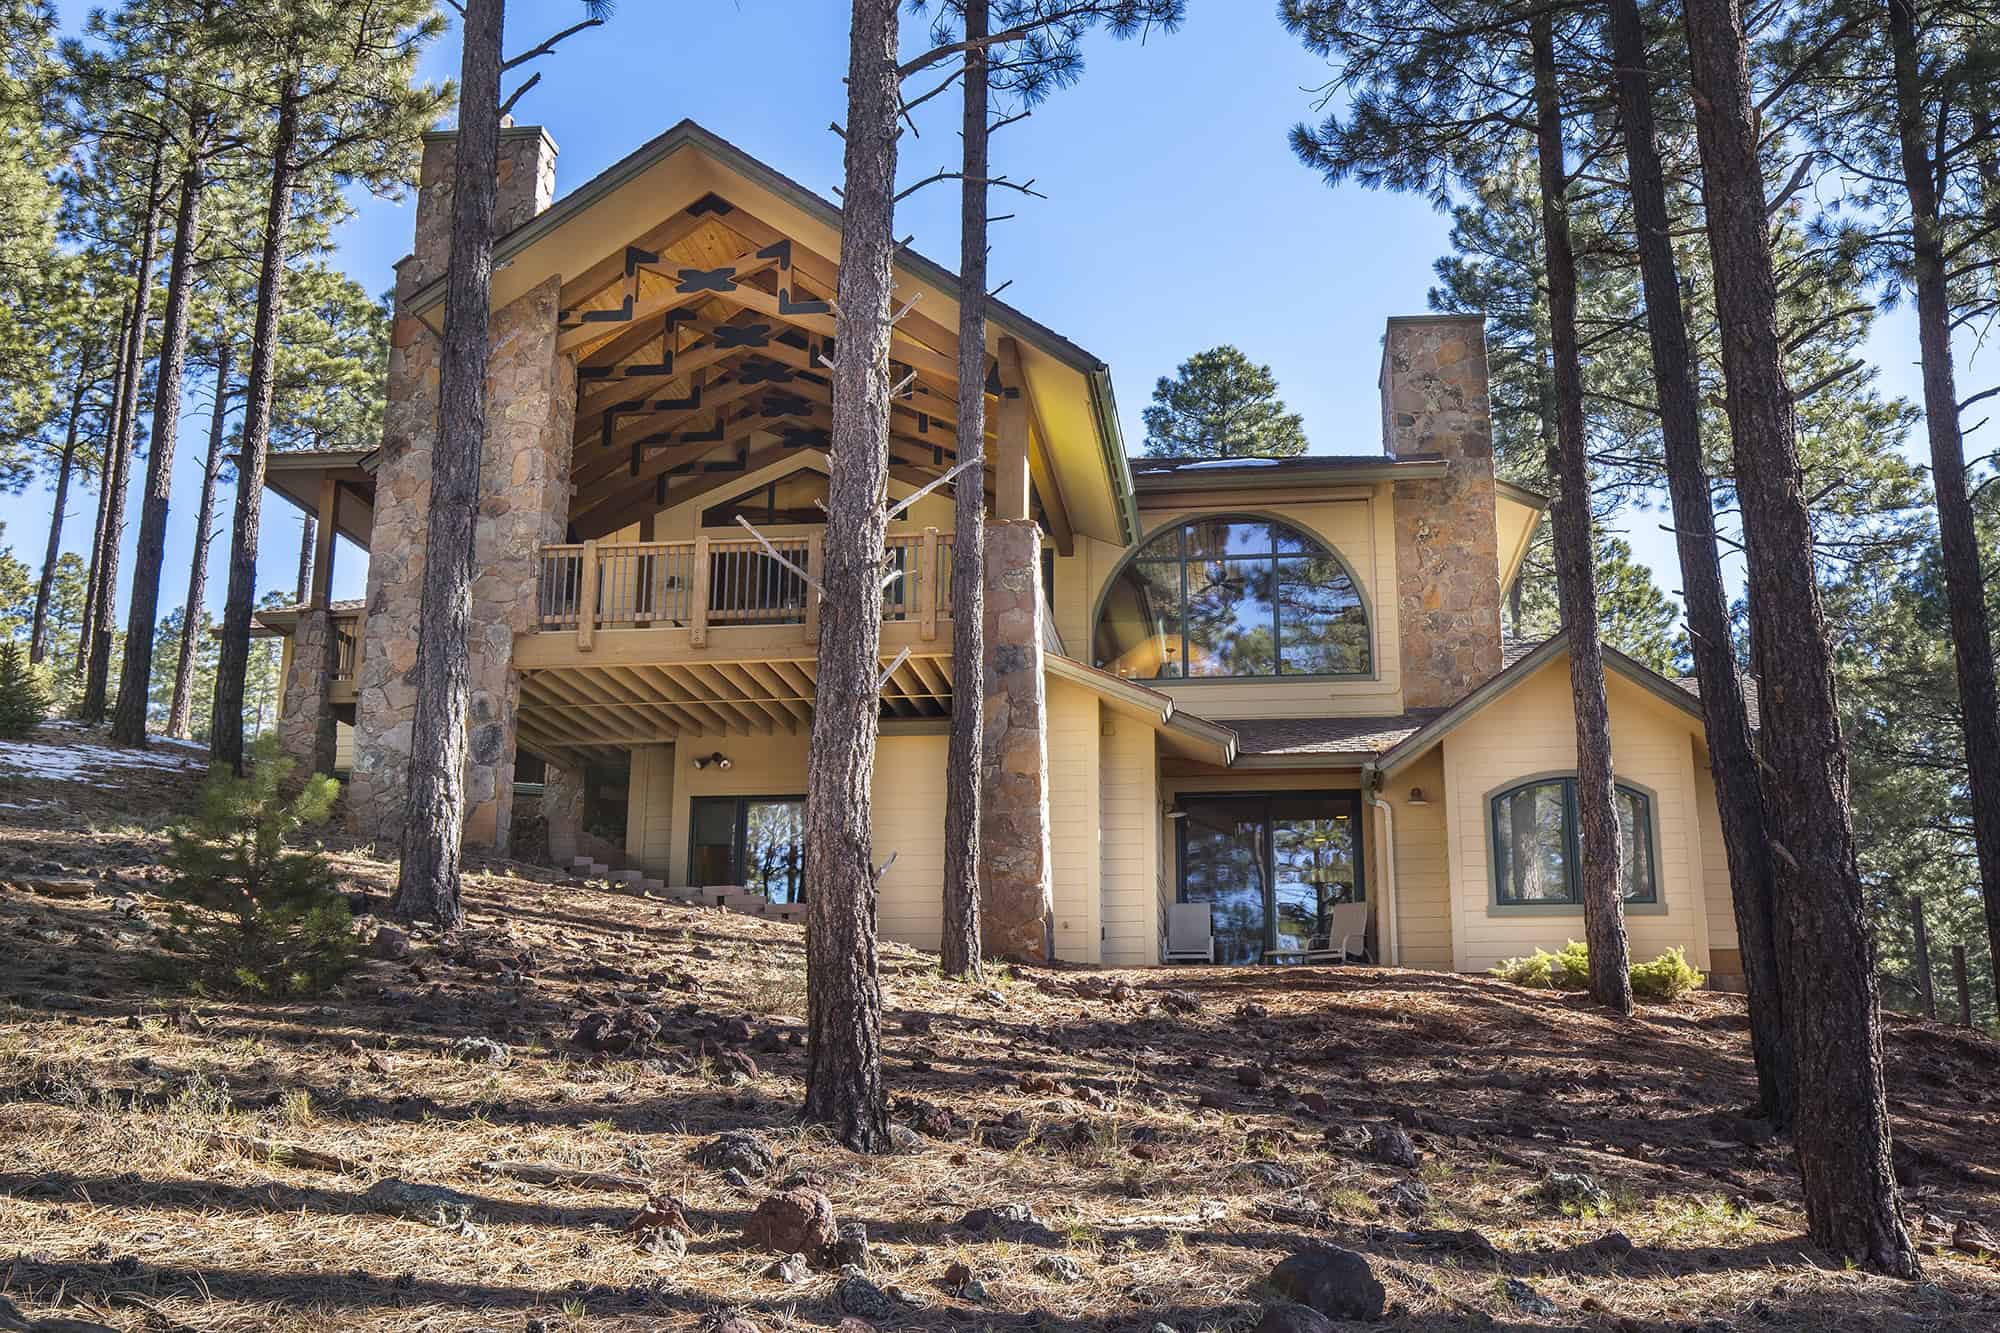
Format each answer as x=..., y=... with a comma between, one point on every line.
x=1232, y=597
x=1537, y=853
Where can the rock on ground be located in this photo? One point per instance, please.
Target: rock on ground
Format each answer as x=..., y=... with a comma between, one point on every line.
x=1338, y=1283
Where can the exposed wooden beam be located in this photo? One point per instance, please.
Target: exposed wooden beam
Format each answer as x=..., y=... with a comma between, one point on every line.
x=611, y=268
x=679, y=293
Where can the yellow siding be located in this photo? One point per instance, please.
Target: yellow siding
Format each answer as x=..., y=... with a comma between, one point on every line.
x=1423, y=885
x=1361, y=530
x=1132, y=867
x=1073, y=824
x=343, y=747
x=908, y=812
x=1714, y=860
x=1532, y=730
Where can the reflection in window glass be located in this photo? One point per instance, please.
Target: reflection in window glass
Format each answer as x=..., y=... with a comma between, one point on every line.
x=1536, y=848
x=1222, y=597
x=757, y=842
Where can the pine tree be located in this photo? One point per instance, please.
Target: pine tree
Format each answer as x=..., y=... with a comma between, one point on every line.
x=251, y=913
x=1221, y=404
x=427, y=884
x=335, y=87
x=1437, y=97
x=1825, y=961
x=24, y=698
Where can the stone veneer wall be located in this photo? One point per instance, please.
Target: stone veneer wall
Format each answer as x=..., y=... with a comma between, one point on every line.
x=306, y=727
x=1434, y=401
x=524, y=475
x=1017, y=882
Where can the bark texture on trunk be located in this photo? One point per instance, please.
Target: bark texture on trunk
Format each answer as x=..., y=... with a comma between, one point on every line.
x=135, y=678
x=1825, y=955
x=1732, y=756
x=38, y=629
x=844, y=996
x=427, y=887
x=1964, y=581
x=84, y=629
x=307, y=531
x=225, y=728
x=118, y=468
x=960, y=944
x=1576, y=571
x=193, y=615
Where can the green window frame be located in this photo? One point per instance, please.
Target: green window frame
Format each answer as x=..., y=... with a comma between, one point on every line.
x=1639, y=864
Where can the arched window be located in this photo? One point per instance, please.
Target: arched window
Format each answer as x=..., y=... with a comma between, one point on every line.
x=1232, y=597
x=1536, y=851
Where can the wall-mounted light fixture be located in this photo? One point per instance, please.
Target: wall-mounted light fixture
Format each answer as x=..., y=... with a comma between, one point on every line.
x=719, y=759
x=1417, y=796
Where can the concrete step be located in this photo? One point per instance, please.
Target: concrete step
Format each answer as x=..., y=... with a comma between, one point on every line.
x=650, y=885
x=580, y=863
x=626, y=876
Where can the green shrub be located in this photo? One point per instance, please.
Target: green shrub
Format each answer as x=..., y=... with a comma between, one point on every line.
x=248, y=914
x=1667, y=977
x=24, y=697
x=1568, y=970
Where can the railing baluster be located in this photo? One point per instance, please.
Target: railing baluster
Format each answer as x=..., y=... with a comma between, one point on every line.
x=586, y=619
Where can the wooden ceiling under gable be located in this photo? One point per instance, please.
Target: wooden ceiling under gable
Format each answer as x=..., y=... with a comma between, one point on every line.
x=700, y=355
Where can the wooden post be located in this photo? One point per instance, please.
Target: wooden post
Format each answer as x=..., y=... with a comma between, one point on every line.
x=1922, y=960
x=698, y=595
x=322, y=576
x=927, y=587
x=816, y=567
x=1964, y=986
x=586, y=599
x=1010, y=468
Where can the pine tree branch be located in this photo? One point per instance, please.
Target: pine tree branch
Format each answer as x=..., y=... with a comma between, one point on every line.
x=549, y=44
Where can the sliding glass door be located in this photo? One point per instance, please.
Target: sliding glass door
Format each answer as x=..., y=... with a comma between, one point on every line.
x=754, y=841
x=1272, y=865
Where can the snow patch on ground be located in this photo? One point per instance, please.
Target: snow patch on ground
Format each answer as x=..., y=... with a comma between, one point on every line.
x=82, y=762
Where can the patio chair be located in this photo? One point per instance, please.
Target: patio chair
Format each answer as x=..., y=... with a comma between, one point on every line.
x=1346, y=923
x=1190, y=934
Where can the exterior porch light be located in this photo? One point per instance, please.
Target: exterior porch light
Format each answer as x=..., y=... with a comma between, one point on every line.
x=1417, y=796
x=719, y=759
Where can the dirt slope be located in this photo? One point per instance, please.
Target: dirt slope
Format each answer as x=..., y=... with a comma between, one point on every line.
x=168, y=1164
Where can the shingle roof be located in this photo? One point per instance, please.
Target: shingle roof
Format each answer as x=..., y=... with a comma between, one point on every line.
x=1325, y=735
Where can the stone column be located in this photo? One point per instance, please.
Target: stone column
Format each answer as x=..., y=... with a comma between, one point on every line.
x=1017, y=883
x=306, y=726
x=1434, y=403
x=521, y=381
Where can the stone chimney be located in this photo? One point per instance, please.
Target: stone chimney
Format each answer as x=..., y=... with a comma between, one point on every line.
x=527, y=185
x=1434, y=404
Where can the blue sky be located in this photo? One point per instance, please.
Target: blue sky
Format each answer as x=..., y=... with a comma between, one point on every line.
x=1177, y=217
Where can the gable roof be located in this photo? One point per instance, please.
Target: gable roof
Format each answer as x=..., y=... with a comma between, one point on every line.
x=1086, y=404
x=1520, y=660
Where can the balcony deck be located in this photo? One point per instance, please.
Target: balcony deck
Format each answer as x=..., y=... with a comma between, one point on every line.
x=647, y=642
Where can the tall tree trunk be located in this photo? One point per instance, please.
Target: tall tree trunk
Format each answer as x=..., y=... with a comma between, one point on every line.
x=225, y=729
x=844, y=994
x=105, y=449
x=128, y=718
x=306, y=533
x=1732, y=756
x=1964, y=582
x=194, y=616
x=38, y=631
x=1576, y=571
x=118, y=468
x=1825, y=955
x=959, y=949
x=428, y=885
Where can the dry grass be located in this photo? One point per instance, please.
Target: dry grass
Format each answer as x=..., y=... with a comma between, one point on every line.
x=154, y=1157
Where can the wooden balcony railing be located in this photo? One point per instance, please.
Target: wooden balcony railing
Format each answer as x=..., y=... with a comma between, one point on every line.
x=718, y=582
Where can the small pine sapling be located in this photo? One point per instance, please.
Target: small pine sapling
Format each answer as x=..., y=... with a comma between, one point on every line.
x=251, y=914
x=24, y=698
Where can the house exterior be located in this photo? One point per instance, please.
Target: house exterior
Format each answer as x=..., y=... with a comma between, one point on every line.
x=1271, y=686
